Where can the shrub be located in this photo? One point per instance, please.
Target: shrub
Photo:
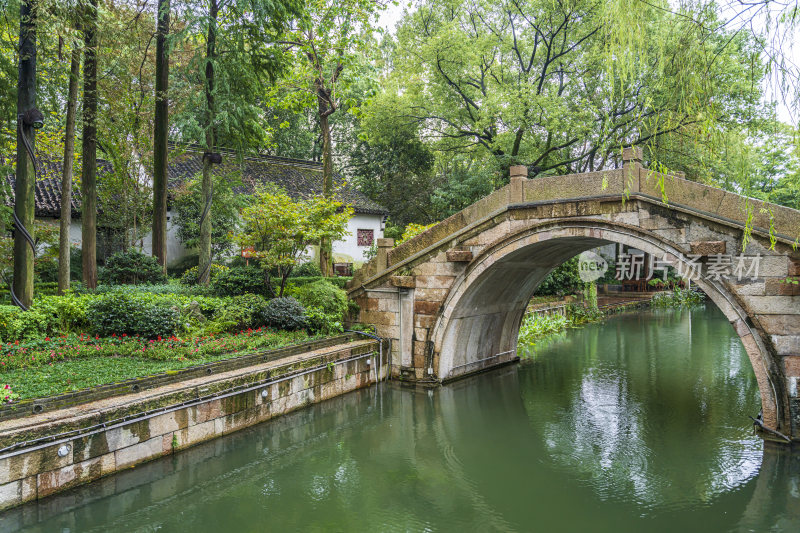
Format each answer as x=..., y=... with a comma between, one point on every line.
x=131, y=268
x=189, y=276
x=324, y=296
x=285, y=313
x=307, y=269
x=132, y=313
x=318, y=321
x=241, y=280
x=20, y=325
x=562, y=280
x=67, y=313
x=241, y=312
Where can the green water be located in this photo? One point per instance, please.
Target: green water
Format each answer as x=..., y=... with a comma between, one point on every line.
x=636, y=424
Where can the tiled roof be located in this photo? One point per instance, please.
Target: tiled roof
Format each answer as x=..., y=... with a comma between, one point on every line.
x=47, y=192
x=300, y=179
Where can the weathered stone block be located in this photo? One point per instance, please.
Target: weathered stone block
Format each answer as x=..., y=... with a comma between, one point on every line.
x=459, y=256
x=781, y=287
x=780, y=324
x=794, y=268
x=435, y=282
x=206, y=411
x=24, y=465
x=10, y=494
x=75, y=474
x=426, y=308
x=407, y=282
x=791, y=365
x=708, y=247
x=774, y=305
x=424, y=321
x=168, y=422
x=786, y=344
x=138, y=453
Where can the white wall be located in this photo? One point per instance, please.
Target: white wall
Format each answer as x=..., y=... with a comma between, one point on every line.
x=176, y=251
x=349, y=245
x=347, y=249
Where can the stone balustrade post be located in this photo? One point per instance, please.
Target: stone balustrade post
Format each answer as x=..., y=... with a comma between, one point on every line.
x=632, y=166
x=384, y=246
x=519, y=175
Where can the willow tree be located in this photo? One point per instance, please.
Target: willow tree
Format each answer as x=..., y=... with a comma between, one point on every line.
x=542, y=83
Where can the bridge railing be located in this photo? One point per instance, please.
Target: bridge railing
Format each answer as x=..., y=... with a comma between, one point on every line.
x=633, y=181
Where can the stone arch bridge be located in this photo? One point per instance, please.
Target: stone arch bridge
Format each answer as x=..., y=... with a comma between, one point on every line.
x=452, y=299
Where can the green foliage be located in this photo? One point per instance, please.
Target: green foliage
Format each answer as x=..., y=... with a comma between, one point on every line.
x=320, y=322
x=307, y=269
x=17, y=325
x=324, y=296
x=66, y=313
x=285, y=313
x=189, y=277
x=241, y=280
x=535, y=327
x=240, y=312
x=132, y=268
x=280, y=229
x=132, y=313
x=678, y=298
x=562, y=280
x=412, y=230
x=225, y=206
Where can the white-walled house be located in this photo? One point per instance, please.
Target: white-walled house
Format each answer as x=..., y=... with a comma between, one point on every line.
x=300, y=179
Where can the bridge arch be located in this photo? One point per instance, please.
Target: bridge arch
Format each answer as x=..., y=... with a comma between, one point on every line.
x=479, y=319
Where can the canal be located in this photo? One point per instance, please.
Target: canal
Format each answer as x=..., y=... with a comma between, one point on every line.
x=638, y=423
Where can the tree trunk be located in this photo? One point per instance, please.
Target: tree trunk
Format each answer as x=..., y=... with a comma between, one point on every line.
x=160, y=132
x=66, y=175
x=24, y=208
x=204, y=267
x=325, y=245
x=89, y=148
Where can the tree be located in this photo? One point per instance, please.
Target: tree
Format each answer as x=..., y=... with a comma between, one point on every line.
x=66, y=176
x=531, y=82
x=328, y=39
x=89, y=147
x=226, y=204
x=160, y=136
x=24, y=248
x=280, y=229
x=233, y=69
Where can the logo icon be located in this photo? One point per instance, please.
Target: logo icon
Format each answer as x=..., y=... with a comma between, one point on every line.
x=591, y=266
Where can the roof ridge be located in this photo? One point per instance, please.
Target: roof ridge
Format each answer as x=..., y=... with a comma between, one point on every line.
x=289, y=161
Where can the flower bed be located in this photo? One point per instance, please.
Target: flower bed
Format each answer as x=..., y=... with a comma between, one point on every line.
x=38, y=368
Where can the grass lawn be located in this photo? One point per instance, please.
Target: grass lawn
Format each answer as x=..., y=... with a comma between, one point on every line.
x=66, y=364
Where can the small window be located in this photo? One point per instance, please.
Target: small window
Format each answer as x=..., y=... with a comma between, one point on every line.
x=365, y=236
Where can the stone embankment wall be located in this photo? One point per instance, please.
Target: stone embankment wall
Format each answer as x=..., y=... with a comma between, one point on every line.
x=78, y=445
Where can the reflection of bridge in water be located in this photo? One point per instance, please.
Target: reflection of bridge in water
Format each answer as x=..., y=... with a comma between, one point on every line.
x=452, y=299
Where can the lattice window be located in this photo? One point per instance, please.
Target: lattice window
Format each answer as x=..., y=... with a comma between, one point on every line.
x=365, y=237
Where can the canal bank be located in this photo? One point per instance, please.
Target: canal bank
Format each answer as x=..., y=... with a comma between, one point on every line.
x=50, y=451
x=609, y=419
